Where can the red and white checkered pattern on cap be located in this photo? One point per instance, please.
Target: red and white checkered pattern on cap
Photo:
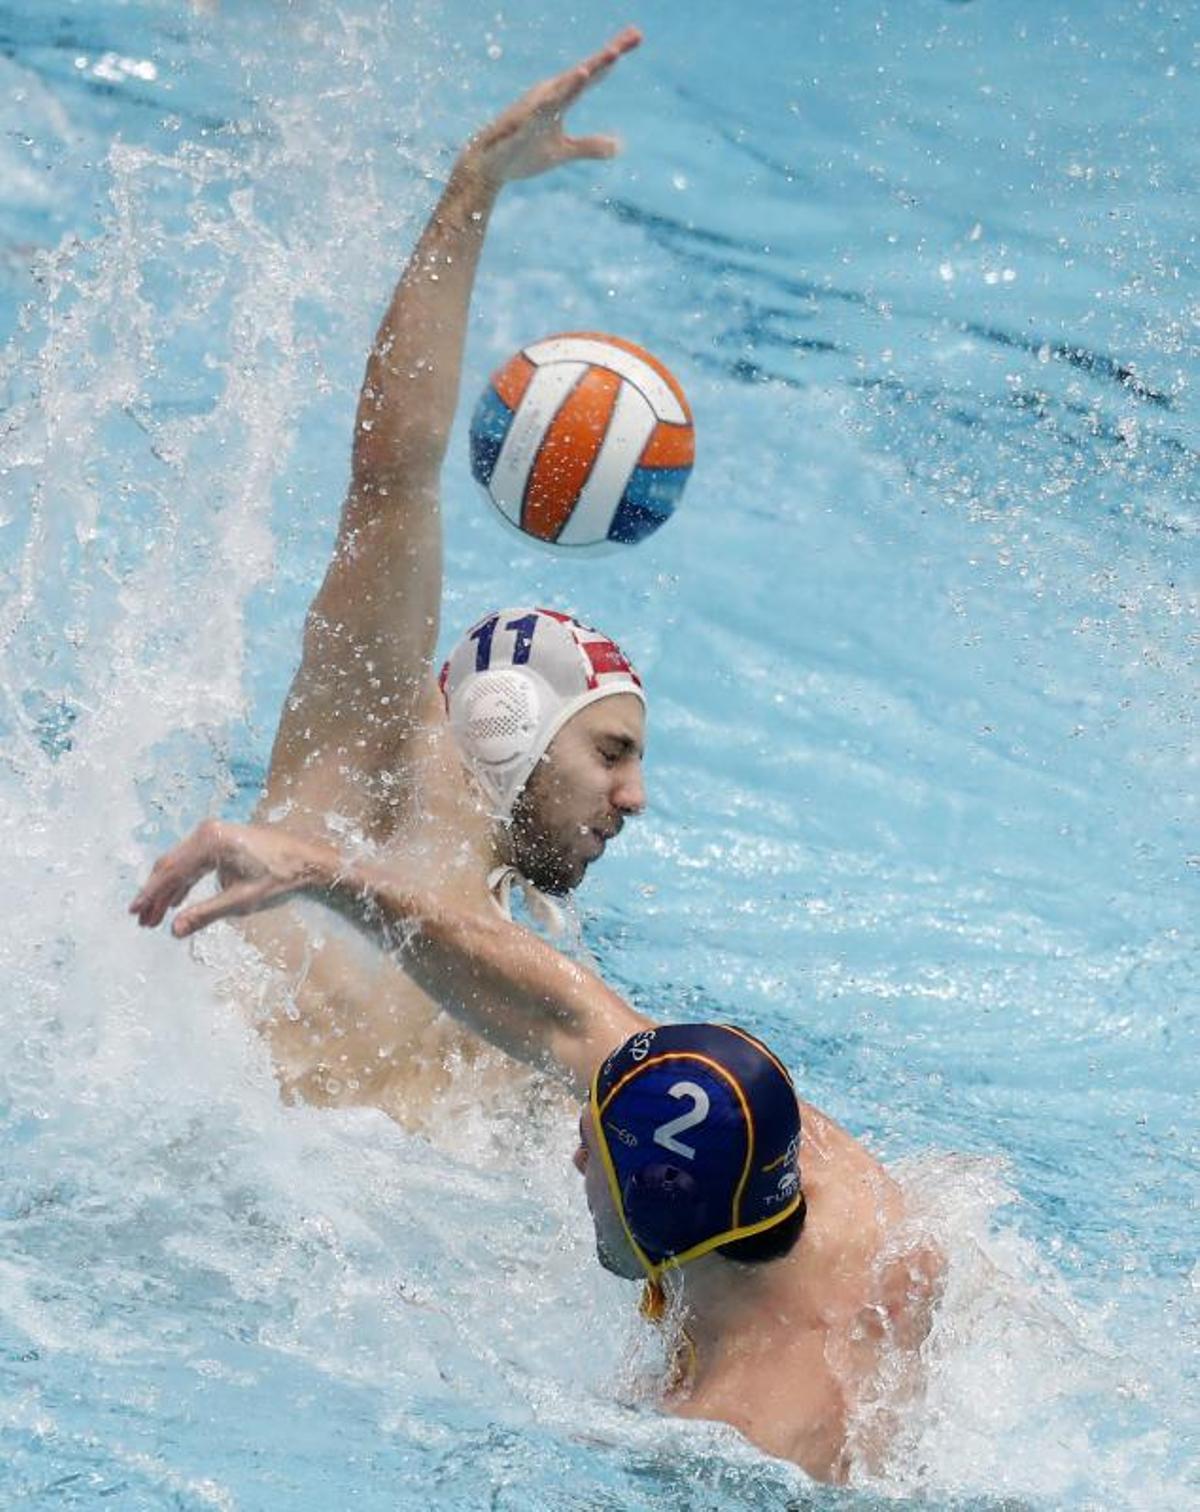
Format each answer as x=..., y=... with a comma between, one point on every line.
x=514, y=680
x=603, y=658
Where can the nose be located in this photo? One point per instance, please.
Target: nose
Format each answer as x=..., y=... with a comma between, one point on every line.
x=630, y=794
x=580, y=1159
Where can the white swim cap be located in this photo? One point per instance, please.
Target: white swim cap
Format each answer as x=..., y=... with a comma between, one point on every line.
x=511, y=684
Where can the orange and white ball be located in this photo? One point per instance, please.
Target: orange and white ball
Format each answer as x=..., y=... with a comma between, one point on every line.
x=583, y=439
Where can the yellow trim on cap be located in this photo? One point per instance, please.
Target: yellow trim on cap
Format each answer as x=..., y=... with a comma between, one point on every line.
x=745, y=1231
x=758, y=1045
x=610, y=1171
x=738, y=1231
x=694, y=1055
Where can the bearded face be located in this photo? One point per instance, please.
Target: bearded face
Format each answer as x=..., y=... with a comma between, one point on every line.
x=580, y=794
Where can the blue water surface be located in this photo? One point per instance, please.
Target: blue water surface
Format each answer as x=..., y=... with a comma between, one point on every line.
x=920, y=645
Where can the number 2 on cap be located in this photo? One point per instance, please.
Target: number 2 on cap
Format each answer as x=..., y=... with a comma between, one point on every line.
x=665, y=1133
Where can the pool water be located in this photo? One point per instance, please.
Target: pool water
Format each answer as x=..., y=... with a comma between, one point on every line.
x=921, y=652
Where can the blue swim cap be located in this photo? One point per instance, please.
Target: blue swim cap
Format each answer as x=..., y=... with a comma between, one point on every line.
x=699, y=1130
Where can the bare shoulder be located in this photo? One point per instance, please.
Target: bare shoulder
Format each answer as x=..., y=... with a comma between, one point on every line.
x=854, y=1202
x=795, y=1409
x=326, y=777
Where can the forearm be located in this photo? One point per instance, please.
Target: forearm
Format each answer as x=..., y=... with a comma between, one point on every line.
x=500, y=980
x=410, y=390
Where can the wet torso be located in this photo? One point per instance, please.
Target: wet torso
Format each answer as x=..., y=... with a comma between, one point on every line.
x=825, y=1369
x=345, y=1025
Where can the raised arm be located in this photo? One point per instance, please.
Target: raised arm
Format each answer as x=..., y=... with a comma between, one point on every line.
x=499, y=979
x=363, y=685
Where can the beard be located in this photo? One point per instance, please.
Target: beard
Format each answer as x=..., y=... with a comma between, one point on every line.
x=538, y=856
x=549, y=874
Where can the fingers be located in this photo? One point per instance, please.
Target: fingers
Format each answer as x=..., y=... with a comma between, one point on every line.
x=527, y=138
x=173, y=876
x=234, y=902
x=155, y=900
x=616, y=47
x=591, y=146
x=567, y=88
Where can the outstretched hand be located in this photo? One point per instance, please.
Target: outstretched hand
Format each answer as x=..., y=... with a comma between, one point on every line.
x=257, y=867
x=528, y=138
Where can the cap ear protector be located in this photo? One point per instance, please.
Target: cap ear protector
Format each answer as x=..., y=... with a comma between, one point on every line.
x=663, y=1202
x=497, y=717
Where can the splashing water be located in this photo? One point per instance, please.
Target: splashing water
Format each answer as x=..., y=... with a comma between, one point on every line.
x=921, y=654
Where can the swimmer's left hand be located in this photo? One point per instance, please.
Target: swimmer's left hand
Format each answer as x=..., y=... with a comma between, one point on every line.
x=257, y=867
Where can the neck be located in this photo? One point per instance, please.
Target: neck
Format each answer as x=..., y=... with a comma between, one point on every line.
x=723, y=1304
x=488, y=839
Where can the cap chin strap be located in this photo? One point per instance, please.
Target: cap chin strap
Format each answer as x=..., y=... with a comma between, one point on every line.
x=682, y=1361
x=653, y=1306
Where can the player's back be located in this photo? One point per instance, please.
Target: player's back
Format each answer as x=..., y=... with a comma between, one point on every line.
x=821, y=1370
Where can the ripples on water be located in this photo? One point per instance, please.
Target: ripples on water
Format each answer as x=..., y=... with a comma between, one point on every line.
x=922, y=656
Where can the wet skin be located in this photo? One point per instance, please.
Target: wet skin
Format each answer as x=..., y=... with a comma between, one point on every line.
x=579, y=796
